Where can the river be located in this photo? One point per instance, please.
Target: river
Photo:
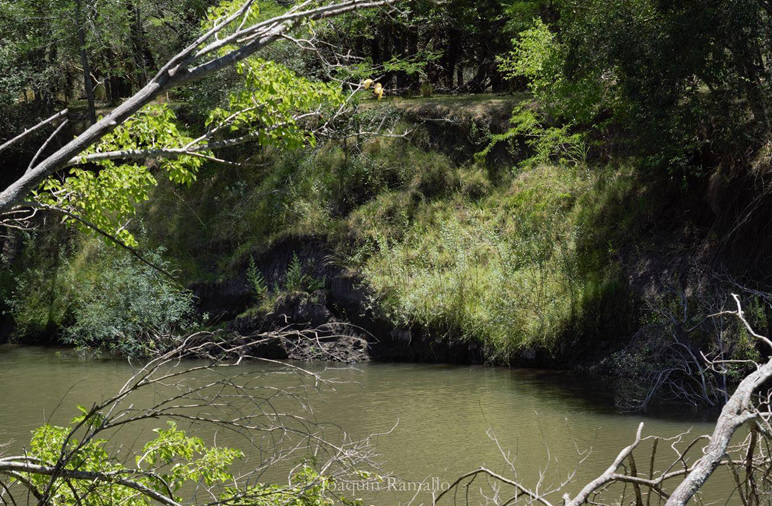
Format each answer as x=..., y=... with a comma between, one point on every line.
x=436, y=421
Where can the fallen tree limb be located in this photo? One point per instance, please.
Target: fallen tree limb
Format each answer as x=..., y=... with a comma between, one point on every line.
x=608, y=476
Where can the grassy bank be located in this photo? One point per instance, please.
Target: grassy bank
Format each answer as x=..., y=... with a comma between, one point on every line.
x=554, y=260
x=510, y=258
x=506, y=268
x=520, y=257
x=515, y=259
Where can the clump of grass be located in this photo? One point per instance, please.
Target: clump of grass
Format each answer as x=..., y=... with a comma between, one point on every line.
x=502, y=269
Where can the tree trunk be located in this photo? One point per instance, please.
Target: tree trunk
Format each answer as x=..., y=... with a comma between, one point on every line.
x=388, y=53
x=400, y=50
x=452, y=56
x=87, y=83
x=412, y=51
x=143, y=58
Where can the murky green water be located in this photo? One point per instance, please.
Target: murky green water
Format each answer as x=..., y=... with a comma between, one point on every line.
x=437, y=420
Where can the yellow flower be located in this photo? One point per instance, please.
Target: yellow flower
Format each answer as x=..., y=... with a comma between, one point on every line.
x=367, y=83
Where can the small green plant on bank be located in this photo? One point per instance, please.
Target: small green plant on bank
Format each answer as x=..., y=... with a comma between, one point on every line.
x=256, y=281
x=129, y=308
x=297, y=281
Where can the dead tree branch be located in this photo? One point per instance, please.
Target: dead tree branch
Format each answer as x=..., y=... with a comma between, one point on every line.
x=736, y=412
x=58, y=115
x=749, y=462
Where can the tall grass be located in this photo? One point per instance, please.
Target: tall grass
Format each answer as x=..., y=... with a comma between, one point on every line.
x=518, y=261
x=231, y=213
x=503, y=270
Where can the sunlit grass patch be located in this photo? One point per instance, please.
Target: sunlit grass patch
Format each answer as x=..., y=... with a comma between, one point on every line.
x=502, y=269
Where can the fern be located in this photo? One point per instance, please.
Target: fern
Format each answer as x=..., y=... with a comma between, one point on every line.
x=256, y=280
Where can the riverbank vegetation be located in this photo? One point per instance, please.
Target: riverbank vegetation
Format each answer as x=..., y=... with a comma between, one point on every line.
x=266, y=180
x=591, y=217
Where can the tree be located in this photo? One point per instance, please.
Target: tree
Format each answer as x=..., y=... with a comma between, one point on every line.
x=449, y=46
x=273, y=106
x=76, y=44
x=231, y=38
x=684, y=84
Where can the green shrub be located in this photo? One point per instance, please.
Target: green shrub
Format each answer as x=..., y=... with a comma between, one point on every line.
x=173, y=463
x=256, y=280
x=475, y=184
x=295, y=280
x=102, y=298
x=128, y=308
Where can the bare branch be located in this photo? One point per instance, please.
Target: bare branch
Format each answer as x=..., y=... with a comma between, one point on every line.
x=741, y=315
x=735, y=413
x=608, y=476
x=35, y=128
x=192, y=149
x=45, y=144
x=485, y=471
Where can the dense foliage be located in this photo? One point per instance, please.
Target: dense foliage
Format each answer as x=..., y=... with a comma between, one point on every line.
x=100, y=298
x=687, y=83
